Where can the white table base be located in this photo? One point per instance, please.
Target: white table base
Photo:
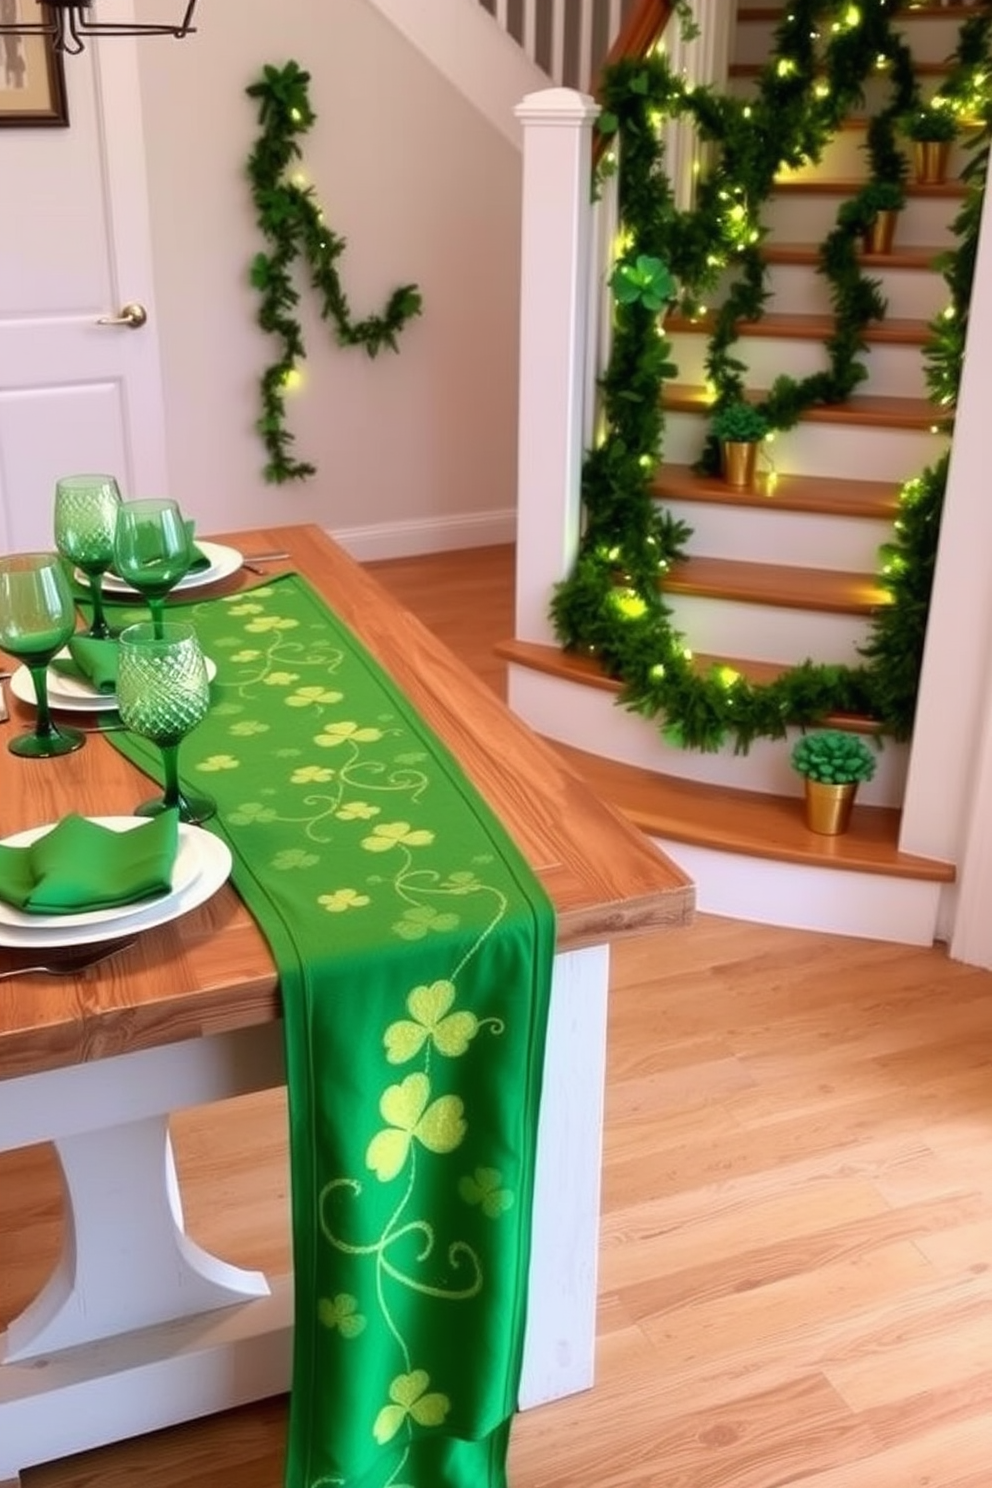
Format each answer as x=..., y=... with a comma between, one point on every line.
x=139, y=1328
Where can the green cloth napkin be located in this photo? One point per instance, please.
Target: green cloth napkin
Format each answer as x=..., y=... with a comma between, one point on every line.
x=90, y=660
x=82, y=865
x=200, y=560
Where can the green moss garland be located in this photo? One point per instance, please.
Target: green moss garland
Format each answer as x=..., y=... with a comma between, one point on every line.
x=613, y=603
x=292, y=222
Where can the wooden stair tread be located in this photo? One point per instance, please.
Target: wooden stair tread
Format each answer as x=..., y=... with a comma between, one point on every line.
x=808, y=254
x=750, y=822
x=865, y=409
x=785, y=587
x=571, y=666
x=951, y=190
x=892, y=331
x=821, y=495
x=921, y=68
x=921, y=13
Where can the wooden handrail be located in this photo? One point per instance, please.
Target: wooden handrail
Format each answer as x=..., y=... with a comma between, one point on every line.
x=639, y=32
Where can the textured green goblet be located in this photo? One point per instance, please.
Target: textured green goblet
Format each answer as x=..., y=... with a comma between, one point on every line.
x=163, y=693
x=152, y=550
x=37, y=617
x=85, y=520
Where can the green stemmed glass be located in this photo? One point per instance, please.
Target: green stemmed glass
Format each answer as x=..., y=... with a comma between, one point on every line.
x=37, y=617
x=163, y=693
x=152, y=550
x=86, y=509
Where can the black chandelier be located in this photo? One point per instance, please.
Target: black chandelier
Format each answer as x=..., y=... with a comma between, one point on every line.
x=69, y=23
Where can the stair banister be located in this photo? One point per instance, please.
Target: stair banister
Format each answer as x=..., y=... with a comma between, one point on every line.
x=563, y=330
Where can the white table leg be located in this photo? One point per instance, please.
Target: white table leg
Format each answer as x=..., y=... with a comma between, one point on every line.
x=126, y=1262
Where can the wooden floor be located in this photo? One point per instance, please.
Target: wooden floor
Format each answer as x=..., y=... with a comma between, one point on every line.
x=795, y=1283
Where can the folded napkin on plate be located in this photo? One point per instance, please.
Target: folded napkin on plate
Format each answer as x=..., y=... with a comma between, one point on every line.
x=90, y=660
x=81, y=865
x=200, y=559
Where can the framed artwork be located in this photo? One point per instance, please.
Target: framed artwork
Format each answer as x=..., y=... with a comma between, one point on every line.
x=32, y=82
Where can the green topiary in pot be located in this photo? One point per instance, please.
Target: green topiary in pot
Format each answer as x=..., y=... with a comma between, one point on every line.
x=833, y=757
x=739, y=423
x=935, y=121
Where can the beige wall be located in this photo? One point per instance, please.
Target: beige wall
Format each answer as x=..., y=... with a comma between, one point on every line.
x=420, y=446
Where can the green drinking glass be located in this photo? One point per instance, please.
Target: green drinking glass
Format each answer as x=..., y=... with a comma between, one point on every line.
x=37, y=617
x=162, y=694
x=152, y=550
x=86, y=509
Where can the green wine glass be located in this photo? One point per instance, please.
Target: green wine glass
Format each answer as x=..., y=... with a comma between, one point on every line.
x=85, y=521
x=37, y=617
x=162, y=694
x=152, y=550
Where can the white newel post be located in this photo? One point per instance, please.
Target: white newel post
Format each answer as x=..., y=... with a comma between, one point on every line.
x=556, y=238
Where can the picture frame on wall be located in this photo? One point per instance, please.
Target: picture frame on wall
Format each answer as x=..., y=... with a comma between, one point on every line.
x=32, y=79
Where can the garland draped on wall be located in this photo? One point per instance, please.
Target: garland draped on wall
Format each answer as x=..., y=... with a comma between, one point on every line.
x=613, y=604
x=291, y=220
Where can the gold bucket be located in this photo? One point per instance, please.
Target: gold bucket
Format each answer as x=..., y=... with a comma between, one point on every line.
x=878, y=238
x=738, y=459
x=828, y=807
x=930, y=161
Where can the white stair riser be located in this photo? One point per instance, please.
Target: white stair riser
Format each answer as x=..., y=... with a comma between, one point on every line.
x=807, y=217
x=845, y=158
x=871, y=906
x=931, y=39
x=590, y=719
x=797, y=289
x=769, y=632
x=843, y=450
x=877, y=90
x=804, y=539
x=897, y=371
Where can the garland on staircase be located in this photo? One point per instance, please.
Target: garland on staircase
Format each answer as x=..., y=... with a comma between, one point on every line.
x=612, y=606
x=292, y=221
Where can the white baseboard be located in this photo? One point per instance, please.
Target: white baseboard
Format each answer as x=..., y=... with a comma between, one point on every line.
x=430, y=535
x=869, y=906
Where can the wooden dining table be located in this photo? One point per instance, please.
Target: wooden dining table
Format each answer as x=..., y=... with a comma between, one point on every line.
x=138, y=1327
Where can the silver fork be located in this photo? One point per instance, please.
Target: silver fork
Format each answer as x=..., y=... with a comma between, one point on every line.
x=73, y=959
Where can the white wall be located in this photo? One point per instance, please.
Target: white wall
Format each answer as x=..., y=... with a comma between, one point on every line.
x=416, y=450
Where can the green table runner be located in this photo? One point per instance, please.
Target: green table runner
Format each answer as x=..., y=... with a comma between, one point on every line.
x=414, y=949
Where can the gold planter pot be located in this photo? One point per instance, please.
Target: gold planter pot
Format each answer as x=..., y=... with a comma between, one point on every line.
x=878, y=238
x=930, y=161
x=828, y=807
x=738, y=461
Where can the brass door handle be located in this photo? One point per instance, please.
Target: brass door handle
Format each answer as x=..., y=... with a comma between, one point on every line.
x=133, y=316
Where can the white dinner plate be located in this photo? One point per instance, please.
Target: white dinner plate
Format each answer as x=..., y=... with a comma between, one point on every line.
x=203, y=864
x=72, y=694
x=224, y=561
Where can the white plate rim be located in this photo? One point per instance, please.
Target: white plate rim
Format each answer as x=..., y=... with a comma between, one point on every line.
x=83, y=699
x=224, y=561
x=214, y=868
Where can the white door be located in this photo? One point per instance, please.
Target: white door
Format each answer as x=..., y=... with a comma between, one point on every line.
x=74, y=247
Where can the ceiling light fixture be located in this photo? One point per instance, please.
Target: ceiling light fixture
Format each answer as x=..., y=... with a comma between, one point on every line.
x=69, y=23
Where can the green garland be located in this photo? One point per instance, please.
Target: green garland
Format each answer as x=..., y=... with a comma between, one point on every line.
x=293, y=224
x=613, y=605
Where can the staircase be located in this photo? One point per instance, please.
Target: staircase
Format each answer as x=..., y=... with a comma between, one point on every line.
x=787, y=571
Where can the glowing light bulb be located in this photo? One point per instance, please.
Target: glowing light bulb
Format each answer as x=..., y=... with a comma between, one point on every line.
x=292, y=380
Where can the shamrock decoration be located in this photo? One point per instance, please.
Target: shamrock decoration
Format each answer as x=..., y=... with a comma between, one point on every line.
x=646, y=279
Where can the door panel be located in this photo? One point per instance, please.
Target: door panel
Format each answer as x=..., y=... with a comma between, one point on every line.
x=74, y=247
